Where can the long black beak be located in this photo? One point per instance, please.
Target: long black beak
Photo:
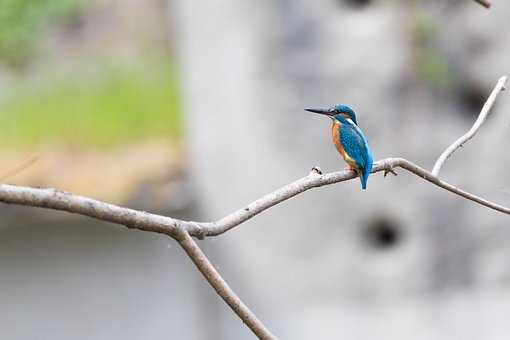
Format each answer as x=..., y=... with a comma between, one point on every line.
x=327, y=112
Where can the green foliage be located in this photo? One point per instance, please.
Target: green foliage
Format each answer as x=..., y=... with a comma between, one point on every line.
x=112, y=105
x=21, y=20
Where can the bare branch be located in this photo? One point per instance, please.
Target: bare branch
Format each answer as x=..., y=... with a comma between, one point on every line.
x=484, y=3
x=500, y=86
x=314, y=180
x=59, y=200
x=222, y=288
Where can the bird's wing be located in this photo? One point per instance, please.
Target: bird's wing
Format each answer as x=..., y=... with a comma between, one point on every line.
x=355, y=144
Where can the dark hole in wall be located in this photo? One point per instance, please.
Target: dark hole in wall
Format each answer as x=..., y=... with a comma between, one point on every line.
x=471, y=99
x=356, y=3
x=382, y=233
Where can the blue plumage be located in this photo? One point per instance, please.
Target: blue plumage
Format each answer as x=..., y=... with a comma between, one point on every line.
x=349, y=140
x=355, y=145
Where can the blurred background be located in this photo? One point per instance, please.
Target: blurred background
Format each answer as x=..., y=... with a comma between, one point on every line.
x=193, y=109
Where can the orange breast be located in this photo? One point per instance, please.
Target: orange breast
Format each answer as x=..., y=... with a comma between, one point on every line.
x=335, y=130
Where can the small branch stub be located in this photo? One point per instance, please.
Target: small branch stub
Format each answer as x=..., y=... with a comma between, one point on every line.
x=390, y=171
x=484, y=3
x=316, y=170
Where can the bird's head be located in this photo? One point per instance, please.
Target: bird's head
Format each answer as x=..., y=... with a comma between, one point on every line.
x=340, y=112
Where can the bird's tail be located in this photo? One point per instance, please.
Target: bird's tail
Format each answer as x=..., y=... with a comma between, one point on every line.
x=364, y=179
x=364, y=176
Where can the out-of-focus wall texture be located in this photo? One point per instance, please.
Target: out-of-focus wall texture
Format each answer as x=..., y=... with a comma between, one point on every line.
x=402, y=260
x=98, y=92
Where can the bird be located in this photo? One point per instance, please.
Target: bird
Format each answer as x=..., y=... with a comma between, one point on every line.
x=349, y=140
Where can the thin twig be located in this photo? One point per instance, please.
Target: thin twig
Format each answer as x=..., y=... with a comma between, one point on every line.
x=500, y=86
x=222, y=288
x=18, y=168
x=484, y=3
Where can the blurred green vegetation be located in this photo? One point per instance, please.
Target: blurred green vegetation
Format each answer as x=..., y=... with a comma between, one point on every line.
x=110, y=105
x=432, y=66
x=102, y=105
x=22, y=20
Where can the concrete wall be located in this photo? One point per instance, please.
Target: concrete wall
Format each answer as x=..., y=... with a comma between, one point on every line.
x=321, y=266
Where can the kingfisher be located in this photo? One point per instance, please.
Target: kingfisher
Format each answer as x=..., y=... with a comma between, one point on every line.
x=349, y=140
